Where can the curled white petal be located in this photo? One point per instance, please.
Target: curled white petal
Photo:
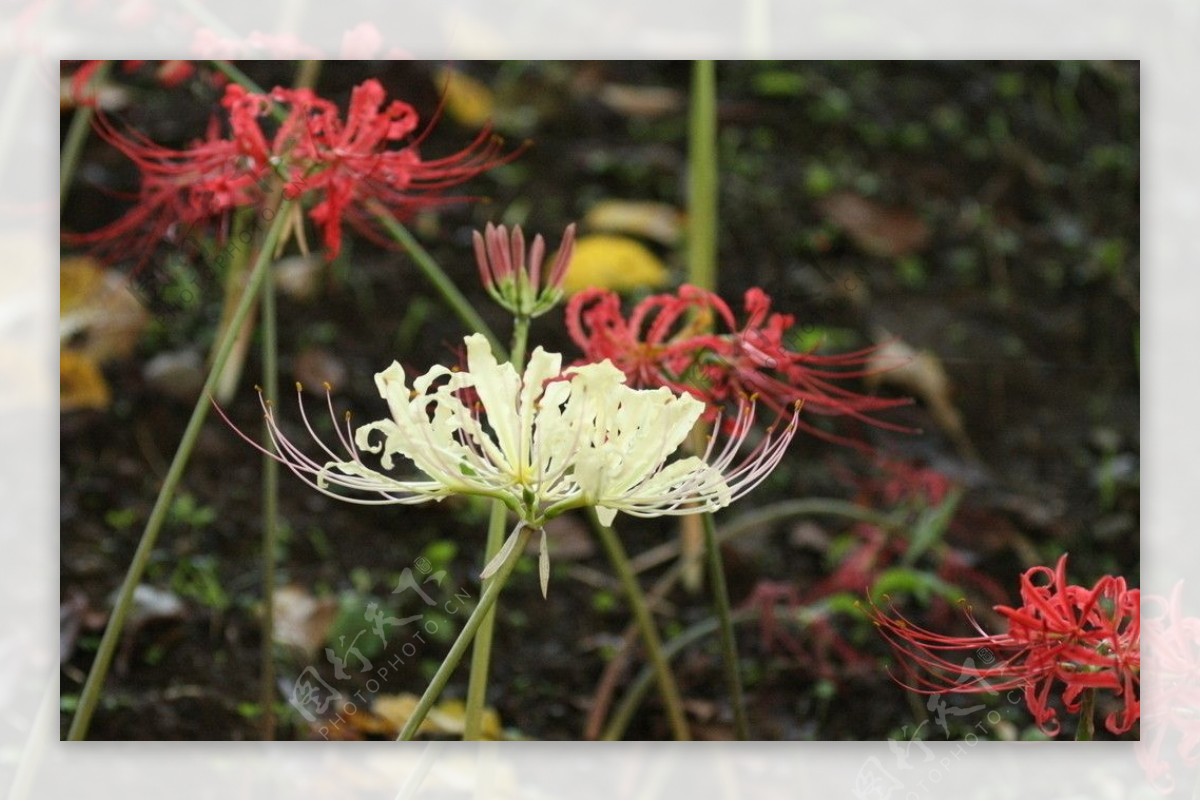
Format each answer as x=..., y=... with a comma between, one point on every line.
x=543, y=442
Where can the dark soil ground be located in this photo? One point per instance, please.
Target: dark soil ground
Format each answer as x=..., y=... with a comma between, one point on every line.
x=991, y=211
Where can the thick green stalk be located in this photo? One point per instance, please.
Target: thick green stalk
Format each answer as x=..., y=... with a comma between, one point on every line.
x=720, y=592
x=306, y=77
x=645, y=622
x=270, y=358
x=481, y=652
x=92, y=687
x=81, y=123
x=702, y=178
x=487, y=599
x=520, y=341
x=702, y=206
x=434, y=274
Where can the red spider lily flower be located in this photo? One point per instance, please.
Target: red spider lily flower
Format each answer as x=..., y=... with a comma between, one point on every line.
x=1062, y=634
x=343, y=169
x=1172, y=692
x=668, y=340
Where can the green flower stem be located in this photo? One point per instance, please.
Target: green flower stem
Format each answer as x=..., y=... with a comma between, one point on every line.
x=487, y=600
x=702, y=177
x=441, y=282
x=481, y=652
x=645, y=622
x=1086, y=730
x=306, y=77
x=720, y=593
x=81, y=123
x=307, y=73
x=520, y=341
x=270, y=358
x=92, y=687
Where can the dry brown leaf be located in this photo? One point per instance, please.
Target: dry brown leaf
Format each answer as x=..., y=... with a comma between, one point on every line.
x=301, y=620
x=641, y=101
x=315, y=366
x=660, y=222
x=98, y=312
x=177, y=374
x=876, y=229
x=921, y=373
x=299, y=277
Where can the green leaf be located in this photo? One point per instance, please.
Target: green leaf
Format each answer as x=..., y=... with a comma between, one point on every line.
x=917, y=583
x=931, y=526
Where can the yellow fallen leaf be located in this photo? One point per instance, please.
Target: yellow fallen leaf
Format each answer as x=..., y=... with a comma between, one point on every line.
x=661, y=222
x=81, y=384
x=613, y=262
x=445, y=719
x=98, y=312
x=468, y=101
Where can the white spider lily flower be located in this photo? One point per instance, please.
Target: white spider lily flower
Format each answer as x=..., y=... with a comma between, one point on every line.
x=542, y=443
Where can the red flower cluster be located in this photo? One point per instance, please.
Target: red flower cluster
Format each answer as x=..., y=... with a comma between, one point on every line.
x=1082, y=638
x=668, y=341
x=346, y=166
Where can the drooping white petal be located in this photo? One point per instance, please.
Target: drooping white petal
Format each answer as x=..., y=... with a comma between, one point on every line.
x=544, y=565
x=502, y=555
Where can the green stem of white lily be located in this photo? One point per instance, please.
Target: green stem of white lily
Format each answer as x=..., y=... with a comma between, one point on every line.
x=720, y=593
x=306, y=77
x=270, y=522
x=645, y=621
x=481, y=653
x=94, y=684
x=487, y=600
